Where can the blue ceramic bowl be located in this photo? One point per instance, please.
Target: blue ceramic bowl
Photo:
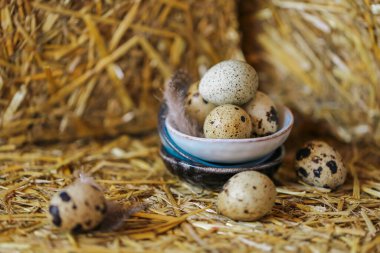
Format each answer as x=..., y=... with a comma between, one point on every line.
x=232, y=151
x=211, y=177
x=207, y=174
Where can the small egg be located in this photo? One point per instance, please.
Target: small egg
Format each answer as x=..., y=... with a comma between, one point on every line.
x=247, y=196
x=229, y=82
x=318, y=164
x=263, y=115
x=227, y=122
x=77, y=208
x=196, y=106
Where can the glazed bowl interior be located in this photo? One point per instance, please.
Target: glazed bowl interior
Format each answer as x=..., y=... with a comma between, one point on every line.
x=233, y=150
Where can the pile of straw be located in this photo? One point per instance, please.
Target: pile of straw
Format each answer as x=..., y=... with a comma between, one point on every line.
x=71, y=69
x=77, y=69
x=322, y=57
x=180, y=217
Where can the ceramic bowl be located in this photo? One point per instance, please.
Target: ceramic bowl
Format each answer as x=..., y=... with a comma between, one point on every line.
x=214, y=177
x=232, y=151
x=171, y=147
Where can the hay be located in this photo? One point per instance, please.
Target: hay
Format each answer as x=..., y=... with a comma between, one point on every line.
x=73, y=69
x=60, y=80
x=181, y=217
x=321, y=57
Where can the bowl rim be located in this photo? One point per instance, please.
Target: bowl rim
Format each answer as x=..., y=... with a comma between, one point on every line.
x=164, y=134
x=280, y=132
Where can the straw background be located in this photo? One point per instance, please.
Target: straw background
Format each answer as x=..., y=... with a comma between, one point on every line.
x=80, y=82
x=72, y=69
x=322, y=58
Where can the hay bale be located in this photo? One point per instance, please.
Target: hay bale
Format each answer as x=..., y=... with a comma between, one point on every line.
x=71, y=69
x=324, y=59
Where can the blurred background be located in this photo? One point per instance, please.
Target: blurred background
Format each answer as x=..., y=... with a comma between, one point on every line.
x=73, y=69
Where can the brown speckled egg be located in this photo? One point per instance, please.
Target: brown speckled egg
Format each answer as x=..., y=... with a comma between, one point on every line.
x=247, y=196
x=318, y=164
x=263, y=115
x=77, y=208
x=227, y=122
x=196, y=106
x=229, y=82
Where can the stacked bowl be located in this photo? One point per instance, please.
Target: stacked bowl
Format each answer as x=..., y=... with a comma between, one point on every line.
x=209, y=163
x=221, y=125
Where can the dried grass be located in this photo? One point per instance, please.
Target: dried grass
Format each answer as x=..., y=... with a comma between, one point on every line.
x=181, y=217
x=323, y=58
x=65, y=80
x=73, y=69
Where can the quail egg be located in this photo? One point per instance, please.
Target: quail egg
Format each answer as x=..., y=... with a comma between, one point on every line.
x=247, y=196
x=318, y=164
x=196, y=106
x=229, y=82
x=227, y=122
x=263, y=115
x=77, y=208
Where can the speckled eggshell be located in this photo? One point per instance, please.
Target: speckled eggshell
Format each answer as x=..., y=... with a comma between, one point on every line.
x=318, y=164
x=229, y=82
x=247, y=196
x=77, y=208
x=263, y=115
x=196, y=106
x=227, y=122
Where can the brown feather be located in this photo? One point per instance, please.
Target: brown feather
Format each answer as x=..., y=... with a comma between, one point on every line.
x=175, y=94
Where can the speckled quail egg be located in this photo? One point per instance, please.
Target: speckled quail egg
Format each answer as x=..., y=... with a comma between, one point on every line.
x=77, y=208
x=229, y=82
x=318, y=164
x=196, y=106
x=227, y=122
x=247, y=196
x=263, y=115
